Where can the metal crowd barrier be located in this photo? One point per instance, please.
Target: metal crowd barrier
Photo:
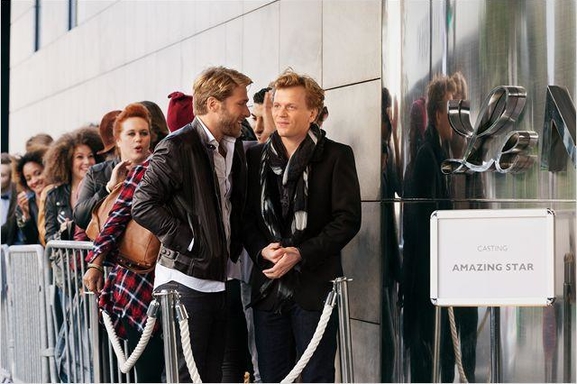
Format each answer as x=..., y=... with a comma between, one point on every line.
x=26, y=271
x=49, y=326
x=4, y=326
x=83, y=352
x=69, y=310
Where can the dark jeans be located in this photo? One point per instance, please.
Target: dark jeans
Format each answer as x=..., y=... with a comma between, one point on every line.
x=150, y=364
x=236, y=354
x=282, y=338
x=207, y=325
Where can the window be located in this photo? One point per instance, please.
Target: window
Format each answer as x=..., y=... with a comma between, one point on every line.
x=72, y=14
x=36, y=25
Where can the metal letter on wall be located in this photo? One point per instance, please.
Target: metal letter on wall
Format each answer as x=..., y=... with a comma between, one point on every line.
x=493, y=144
x=559, y=111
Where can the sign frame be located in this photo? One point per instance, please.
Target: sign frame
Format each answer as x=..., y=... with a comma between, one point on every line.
x=541, y=223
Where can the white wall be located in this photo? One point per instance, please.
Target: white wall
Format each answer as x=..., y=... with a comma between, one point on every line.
x=131, y=50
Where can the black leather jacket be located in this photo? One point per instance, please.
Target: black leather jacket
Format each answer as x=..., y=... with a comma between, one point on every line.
x=178, y=200
x=56, y=210
x=92, y=190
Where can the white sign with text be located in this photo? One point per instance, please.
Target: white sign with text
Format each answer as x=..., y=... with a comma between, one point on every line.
x=486, y=257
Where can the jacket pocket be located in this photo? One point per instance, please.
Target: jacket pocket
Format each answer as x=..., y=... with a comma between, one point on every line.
x=199, y=245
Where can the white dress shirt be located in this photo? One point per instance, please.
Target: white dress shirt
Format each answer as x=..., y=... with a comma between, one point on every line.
x=223, y=168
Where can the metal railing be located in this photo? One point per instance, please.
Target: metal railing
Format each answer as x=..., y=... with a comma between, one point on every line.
x=26, y=271
x=50, y=327
x=5, y=341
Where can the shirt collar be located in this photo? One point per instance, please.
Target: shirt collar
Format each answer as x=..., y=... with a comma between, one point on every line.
x=209, y=135
x=7, y=192
x=227, y=141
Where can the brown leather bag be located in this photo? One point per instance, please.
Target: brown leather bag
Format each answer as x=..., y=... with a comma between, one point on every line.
x=137, y=247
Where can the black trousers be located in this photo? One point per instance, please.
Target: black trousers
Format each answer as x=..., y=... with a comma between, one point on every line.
x=150, y=364
x=237, y=359
x=281, y=338
x=207, y=319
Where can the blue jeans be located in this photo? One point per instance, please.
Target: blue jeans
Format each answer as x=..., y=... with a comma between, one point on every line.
x=282, y=338
x=207, y=317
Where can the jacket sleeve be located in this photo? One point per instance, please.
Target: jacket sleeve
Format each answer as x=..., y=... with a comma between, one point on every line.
x=253, y=237
x=345, y=219
x=154, y=206
x=51, y=216
x=91, y=192
x=27, y=232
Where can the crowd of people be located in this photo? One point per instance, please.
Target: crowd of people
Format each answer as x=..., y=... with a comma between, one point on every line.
x=251, y=208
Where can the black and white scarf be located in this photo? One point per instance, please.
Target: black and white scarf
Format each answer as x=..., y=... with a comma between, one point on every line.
x=295, y=173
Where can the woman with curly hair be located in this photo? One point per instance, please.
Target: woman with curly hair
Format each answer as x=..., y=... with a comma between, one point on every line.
x=31, y=182
x=67, y=161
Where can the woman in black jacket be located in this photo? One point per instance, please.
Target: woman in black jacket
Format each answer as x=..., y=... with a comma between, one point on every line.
x=67, y=162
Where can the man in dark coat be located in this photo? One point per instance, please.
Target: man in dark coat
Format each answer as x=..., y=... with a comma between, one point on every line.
x=303, y=207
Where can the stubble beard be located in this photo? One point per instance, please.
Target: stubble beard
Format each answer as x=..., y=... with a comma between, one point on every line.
x=229, y=127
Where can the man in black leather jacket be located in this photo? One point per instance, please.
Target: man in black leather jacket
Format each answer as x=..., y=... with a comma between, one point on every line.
x=192, y=197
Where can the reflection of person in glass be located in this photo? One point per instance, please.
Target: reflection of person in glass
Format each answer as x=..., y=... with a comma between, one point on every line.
x=417, y=125
x=390, y=185
x=427, y=182
x=463, y=188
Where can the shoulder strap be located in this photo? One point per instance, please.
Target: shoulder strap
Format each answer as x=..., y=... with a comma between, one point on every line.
x=101, y=211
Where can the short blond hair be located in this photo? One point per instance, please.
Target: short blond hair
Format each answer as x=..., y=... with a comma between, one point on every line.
x=217, y=82
x=315, y=95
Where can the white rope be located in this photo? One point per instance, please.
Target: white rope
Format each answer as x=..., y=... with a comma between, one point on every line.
x=126, y=365
x=456, y=347
x=317, y=336
x=187, y=351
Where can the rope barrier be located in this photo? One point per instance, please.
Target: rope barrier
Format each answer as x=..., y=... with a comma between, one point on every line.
x=317, y=336
x=182, y=317
x=127, y=364
x=456, y=346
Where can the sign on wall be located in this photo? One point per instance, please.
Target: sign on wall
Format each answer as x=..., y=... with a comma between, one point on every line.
x=487, y=257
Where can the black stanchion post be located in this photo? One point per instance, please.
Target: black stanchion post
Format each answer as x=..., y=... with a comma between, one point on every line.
x=496, y=373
